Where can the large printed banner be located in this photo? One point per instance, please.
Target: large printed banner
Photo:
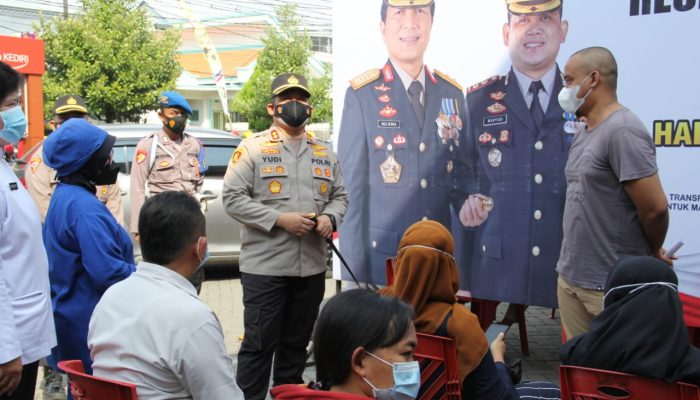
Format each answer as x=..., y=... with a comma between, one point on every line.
x=657, y=57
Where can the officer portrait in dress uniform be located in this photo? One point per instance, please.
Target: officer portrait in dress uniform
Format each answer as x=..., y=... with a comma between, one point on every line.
x=41, y=180
x=400, y=143
x=519, y=139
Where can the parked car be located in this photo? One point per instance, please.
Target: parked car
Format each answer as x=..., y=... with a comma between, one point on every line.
x=223, y=232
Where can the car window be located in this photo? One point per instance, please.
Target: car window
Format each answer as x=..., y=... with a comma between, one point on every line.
x=216, y=156
x=122, y=156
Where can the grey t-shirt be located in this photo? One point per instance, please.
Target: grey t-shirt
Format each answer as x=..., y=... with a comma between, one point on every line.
x=600, y=221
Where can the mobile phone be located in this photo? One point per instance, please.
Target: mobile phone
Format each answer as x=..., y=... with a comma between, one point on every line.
x=675, y=248
x=493, y=331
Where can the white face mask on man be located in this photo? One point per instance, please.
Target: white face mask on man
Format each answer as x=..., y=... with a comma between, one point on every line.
x=568, y=100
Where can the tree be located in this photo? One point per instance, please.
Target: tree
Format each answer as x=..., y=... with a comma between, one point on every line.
x=287, y=49
x=110, y=55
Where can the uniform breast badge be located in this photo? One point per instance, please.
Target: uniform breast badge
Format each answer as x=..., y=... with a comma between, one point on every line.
x=448, y=121
x=391, y=170
x=495, y=157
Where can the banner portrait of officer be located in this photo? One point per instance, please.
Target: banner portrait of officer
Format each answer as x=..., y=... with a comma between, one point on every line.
x=519, y=140
x=400, y=143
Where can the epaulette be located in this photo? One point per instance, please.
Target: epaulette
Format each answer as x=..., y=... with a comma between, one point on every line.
x=448, y=79
x=483, y=84
x=365, y=78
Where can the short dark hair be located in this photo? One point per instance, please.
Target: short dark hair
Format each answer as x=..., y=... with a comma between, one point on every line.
x=384, y=8
x=167, y=223
x=352, y=319
x=10, y=81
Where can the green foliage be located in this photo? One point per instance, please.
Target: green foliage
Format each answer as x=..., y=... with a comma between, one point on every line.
x=110, y=55
x=286, y=50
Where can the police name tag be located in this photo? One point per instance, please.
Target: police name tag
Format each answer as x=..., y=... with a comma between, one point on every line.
x=388, y=124
x=498, y=120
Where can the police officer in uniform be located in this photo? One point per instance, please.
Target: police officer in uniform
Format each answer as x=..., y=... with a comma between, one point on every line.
x=168, y=159
x=519, y=138
x=401, y=144
x=276, y=183
x=41, y=180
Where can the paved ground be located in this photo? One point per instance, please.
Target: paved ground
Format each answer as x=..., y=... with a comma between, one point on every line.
x=222, y=292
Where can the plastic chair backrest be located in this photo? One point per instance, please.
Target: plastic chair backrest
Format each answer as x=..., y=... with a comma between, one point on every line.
x=88, y=387
x=437, y=357
x=579, y=383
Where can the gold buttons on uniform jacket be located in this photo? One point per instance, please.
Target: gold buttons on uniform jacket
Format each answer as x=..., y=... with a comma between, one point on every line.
x=538, y=179
x=539, y=145
x=538, y=215
x=535, y=251
x=423, y=183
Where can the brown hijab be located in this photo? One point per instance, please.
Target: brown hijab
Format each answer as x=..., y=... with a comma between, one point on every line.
x=426, y=276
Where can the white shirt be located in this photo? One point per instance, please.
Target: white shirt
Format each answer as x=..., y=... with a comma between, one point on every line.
x=152, y=330
x=26, y=319
x=407, y=79
x=547, y=82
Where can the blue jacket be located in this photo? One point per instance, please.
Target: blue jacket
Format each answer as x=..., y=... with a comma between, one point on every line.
x=522, y=169
x=378, y=122
x=88, y=251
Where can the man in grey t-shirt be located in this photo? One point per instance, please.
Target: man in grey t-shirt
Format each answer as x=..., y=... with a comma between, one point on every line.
x=615, y=204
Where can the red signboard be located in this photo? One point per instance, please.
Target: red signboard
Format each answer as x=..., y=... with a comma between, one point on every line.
x=23, y=54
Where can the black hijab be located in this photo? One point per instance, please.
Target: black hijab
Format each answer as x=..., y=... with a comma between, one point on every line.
x=85, y=177
x=641, y=329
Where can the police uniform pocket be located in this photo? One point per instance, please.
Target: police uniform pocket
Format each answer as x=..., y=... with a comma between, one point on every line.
x=489, y=246
x=164, y=170
x=273, y=183
x=322, y=182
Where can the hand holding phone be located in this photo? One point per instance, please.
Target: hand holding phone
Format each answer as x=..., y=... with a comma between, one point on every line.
x=672, y=251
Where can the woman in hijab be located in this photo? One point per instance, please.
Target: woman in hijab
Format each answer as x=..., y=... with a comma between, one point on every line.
x=640, y=330
x=427, y=277
x=88, y=250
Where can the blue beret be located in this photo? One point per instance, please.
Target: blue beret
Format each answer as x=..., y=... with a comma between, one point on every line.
x=72, y=145
x=174, y=99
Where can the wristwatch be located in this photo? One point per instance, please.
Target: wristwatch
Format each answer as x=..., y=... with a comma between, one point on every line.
x=332, y=218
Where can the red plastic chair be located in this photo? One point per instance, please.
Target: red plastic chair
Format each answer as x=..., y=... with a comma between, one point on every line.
x=578, y=383
x=88, y=387
x=437, y=357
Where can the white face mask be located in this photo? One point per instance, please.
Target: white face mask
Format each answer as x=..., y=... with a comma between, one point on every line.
x=567, y=97
x=640, y=286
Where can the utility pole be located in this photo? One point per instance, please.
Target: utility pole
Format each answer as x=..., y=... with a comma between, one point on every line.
x=65, y=9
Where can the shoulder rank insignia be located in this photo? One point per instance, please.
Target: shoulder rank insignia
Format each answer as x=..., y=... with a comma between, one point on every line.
x=483, y=83
x=316, y=146
x=364, y=78
x=448, y=79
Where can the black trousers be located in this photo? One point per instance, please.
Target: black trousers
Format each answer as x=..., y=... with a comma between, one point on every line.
x=279, y=317
x=27, y=384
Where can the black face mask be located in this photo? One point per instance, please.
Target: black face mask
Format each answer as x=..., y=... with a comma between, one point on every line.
x=176, y=124
x=107, y=175
x=294, y=113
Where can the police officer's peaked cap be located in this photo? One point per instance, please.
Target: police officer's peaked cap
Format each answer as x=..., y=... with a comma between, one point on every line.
x=174, y=99
x=69, y=103
x=408, y=3
x=285, y=82
x=520, y=7
x=73, y=144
